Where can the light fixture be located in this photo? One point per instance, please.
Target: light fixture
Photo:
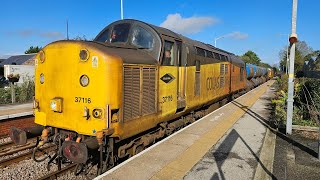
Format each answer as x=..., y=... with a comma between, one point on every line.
x=56, y=104
x=42, y=56
x=41, y=78
x=84, y=55
x=84, y=80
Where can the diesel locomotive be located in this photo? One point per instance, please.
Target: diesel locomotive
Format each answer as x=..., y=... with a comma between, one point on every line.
x=104, y=100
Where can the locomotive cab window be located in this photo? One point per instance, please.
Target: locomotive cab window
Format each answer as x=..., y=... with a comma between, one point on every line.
x=168, y=58
x=120, y=33
x=104, y=36
x=142, y=38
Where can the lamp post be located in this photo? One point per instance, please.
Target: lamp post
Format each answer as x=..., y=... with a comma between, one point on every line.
x=287, y=63
x=215, y=40
x=293, y=39
x=121, y=8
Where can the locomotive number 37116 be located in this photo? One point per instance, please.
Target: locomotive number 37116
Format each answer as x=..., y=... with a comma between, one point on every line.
x=82, y=100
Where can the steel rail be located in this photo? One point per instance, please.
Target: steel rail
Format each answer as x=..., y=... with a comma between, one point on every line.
x=56, y=174
x=10, y=148
x=21, y=157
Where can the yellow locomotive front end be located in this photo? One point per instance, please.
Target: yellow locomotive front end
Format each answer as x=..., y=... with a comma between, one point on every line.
x=77, y=83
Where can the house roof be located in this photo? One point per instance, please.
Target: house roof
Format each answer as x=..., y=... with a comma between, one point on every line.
x=18, y=59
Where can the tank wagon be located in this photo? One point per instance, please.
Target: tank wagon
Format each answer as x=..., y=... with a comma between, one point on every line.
x=104, y=100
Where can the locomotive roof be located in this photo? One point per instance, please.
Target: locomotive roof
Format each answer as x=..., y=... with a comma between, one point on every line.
x=166, y=32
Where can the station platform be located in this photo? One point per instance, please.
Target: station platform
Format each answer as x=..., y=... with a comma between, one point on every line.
x=14, y=111
x=233, y=142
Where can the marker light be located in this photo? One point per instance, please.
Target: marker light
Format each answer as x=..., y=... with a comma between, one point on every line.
x=42, y=56
x=84, y=55
x=84, y=80
x=41, y=78
x=56, y=104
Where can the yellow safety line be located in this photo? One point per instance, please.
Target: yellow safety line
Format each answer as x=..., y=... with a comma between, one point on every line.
x=179, y=167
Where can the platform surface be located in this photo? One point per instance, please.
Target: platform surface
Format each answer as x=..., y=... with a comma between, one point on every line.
x=13, y=111
x=225, y=144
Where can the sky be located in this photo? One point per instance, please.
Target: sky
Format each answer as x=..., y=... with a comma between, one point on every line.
x=262, y=26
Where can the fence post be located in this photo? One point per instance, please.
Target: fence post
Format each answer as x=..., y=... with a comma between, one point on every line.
x=13, y=93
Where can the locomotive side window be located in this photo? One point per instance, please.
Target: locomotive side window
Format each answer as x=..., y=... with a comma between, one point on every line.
x=104, y=36
x=217, y=56
x=200, y=52
x=142, y=38
x=120, y=33
x=168, y=59
x=209, y=54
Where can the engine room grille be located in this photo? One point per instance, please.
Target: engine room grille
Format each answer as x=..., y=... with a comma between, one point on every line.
x=139, y=91
x=148, y=91
x=222, y=74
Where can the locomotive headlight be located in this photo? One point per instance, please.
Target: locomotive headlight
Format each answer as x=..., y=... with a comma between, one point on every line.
x=84, y=55
x=53, y=105
x=84, y=80
x=41, y=78
x=42, y=56
x=56, y=104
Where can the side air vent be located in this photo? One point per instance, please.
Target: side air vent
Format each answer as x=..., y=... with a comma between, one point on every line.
x=131, y=92
x=139, y=91
x=148, y=91
x=222, y=75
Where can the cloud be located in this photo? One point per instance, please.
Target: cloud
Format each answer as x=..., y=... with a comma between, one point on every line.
x=236, y=35
x=29, y=33
x=54, y=35
x=189, y=25
x=26, y=33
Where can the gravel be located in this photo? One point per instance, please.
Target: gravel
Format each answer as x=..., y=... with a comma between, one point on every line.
x=5, y=140
x=29, y=169
x=71, y=176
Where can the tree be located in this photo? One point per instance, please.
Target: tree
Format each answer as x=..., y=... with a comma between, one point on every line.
x=251, y=57
x=79, y=38
x=266, y=65
x=32, y=49
x=303, y=53
x=317, y=63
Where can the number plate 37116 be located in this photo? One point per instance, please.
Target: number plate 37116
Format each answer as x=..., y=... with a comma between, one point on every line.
x=82, y=100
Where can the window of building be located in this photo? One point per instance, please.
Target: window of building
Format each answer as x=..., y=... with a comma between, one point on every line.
x=142, y=38
x=120, y=33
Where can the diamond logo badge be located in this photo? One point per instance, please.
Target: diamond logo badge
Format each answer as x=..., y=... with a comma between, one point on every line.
x=167, y=78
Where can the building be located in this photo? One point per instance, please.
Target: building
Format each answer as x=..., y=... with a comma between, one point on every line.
x=25, y=59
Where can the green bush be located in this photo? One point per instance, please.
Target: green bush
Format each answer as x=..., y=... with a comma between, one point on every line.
x=5, y=96
x=306, y=101
x=24, y=92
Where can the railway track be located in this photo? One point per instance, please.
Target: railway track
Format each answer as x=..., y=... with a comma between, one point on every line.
x=56, y=174
x=23, y=156
x=9, y=148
